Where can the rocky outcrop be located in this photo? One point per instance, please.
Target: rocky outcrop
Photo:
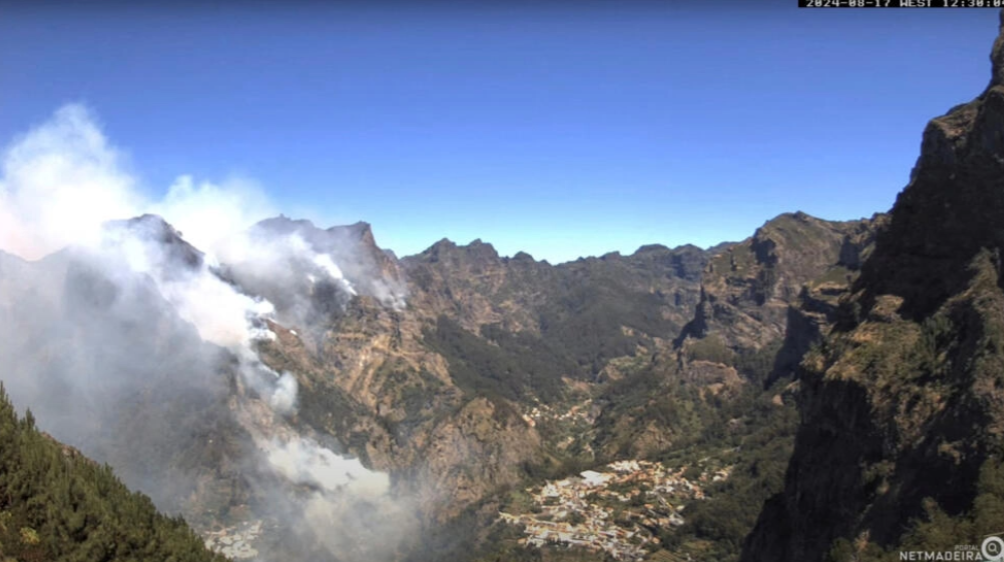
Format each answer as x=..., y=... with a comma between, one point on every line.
x=176, y=256
x=495, y=435
x=902, y=410
x=747, y=289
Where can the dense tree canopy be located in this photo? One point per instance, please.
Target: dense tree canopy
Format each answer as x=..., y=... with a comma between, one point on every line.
x=55, y=504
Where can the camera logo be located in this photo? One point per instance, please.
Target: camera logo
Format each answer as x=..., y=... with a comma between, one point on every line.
x=992, y=549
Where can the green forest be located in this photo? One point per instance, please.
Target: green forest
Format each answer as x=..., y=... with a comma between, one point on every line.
x=55, y=504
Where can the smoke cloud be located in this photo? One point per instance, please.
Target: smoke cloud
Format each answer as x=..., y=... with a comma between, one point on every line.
x=305, y=462
x=61, y=182
x=134, y=339
x=207, y=213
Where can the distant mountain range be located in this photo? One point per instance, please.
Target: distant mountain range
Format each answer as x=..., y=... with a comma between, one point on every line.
x=426, y=367
x=824, y=390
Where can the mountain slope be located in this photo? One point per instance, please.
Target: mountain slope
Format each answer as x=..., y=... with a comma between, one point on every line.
x=593, y=309
x=747, y=289
x=110, y=368
x=902, y=431
x=763, y=301
x=459, y=374
x=56, y=504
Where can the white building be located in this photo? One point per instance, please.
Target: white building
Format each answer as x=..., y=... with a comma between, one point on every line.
x=592, y=478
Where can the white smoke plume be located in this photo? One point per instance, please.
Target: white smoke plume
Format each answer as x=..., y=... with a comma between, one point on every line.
x=324, y=262
x=303, y=284
x=111, y=305
x=61, y=182
x=207, y=213
x=219, y=313
x=305, y=462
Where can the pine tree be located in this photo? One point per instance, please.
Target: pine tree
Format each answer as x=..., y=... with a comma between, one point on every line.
x=55, y=506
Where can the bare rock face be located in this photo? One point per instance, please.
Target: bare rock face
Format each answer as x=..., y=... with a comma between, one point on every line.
x=747, y=288
x=902, y=427
x=497, y=436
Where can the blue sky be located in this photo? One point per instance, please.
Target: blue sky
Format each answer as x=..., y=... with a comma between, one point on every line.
x=557, y=131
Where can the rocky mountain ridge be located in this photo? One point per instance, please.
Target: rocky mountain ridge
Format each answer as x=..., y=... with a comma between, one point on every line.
x=899, y=448
x=452, y=376
x=456, y=372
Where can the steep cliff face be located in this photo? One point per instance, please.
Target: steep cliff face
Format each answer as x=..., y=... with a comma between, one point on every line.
x=436, y=390
x=816, y=310
x=747, y=289
x=902, y=426
x=100, y=350
x=610, y=322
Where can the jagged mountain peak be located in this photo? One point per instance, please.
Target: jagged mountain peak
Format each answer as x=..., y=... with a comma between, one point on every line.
x=328, y=267
x=148, y=224
x=358, y=234
x=951, y=208
x=797, y=217
x=648, y=248
x=523, y=257
x=748, y=287
x=477, y=249
x=442, y=246
x=360, y=230
x=282, y=221
x=482, y=249
x=154, y=229
x=997, y=57
x=485, y=250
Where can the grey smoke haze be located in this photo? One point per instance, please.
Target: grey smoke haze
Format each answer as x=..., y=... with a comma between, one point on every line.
x=139, y=348
x=325, y=268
